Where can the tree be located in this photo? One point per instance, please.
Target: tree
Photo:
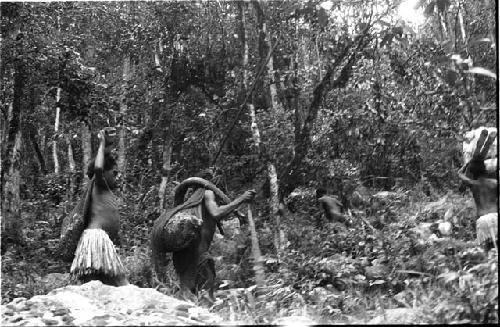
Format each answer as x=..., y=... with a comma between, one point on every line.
x=10, y=176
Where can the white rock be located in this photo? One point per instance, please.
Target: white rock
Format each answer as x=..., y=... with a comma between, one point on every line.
x=445, y=228
x=96, y=304
x=294, y=321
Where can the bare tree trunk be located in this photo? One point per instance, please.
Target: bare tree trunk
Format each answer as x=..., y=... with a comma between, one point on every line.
x=123, y=111
x=254, y=127
x=342, y=65
x=11, y=222
x=71, y=168
x=158, y=50
x=10, y=176
x=274, y=205
x=86, y=146
x=36, y=148
x=55, y=158
x=265, y=43
x=257, y=264
x=244, y=42
x=258, y=267
x=462, y=25
x=5, y=126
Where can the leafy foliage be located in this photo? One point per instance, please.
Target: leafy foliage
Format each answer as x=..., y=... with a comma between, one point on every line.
x=367, y=103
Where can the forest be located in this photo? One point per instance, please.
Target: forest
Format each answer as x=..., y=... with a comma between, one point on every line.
x=369, y=100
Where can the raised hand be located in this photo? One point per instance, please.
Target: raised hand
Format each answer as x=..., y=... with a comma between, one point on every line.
x=248, y=195
x=101, y=136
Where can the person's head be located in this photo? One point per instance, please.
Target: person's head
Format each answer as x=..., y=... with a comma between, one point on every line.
x=320, y=192
x=477, y=168
x=211, y=174
x=207, y=174
x=110, y=137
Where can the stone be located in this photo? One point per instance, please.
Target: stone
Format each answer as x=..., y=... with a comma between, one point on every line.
x=94, y=303
x=15, y=319
x=184, y=307
x=18, y=300
x=67, y=319
x=378, y=271
x=50, y=322
x=60, y=312
x=294, y=321
x=398, y=316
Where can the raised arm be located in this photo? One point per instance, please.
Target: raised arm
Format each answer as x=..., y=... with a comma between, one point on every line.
x=466, y=179
x=487, y=144
x=99, y=159
x=219, y=212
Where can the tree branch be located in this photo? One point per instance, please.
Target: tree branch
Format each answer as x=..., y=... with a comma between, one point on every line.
x=289, y=177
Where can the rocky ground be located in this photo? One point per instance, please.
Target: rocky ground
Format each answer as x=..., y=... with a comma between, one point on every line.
x=95, y=304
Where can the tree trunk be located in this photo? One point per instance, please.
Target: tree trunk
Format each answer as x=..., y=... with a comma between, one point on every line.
x=291, y=174
x=244, y=43
x=11, y=213
x=123, y=111
x=462, y=26
x=296, y=91
x=258, y=267
x=274, y=205
x=254, y=127
x=55, y=158
x=32, y=135
x=86, y=146
x=71, y=169
x=256, y=253
x=265, y=44
x=5, y=126
x=10, y=177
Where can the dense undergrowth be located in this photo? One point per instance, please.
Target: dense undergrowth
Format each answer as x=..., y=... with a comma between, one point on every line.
x=326, y=271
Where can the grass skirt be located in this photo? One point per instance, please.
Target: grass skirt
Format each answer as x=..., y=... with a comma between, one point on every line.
x=96, y=255
x=487, y=227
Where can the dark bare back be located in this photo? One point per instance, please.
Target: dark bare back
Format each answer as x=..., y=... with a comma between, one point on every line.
x=332, y=208
x=485, y=194
x=104, y=206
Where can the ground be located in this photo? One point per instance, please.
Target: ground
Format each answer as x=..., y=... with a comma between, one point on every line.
x=326, y=273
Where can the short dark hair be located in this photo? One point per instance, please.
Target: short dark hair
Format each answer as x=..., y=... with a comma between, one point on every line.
x=207, y=174
x=320, y=192
x=477, y=168
x=109, y=163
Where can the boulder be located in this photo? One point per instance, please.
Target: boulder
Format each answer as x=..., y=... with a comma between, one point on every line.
x=294, y=321
x=55, y=280
x=96, y=304
x=399, y=316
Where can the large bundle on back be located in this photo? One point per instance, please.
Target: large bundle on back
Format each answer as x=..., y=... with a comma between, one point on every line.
x=177, y=228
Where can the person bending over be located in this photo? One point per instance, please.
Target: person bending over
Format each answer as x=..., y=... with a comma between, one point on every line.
x=332, y=207
x=202, y=209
